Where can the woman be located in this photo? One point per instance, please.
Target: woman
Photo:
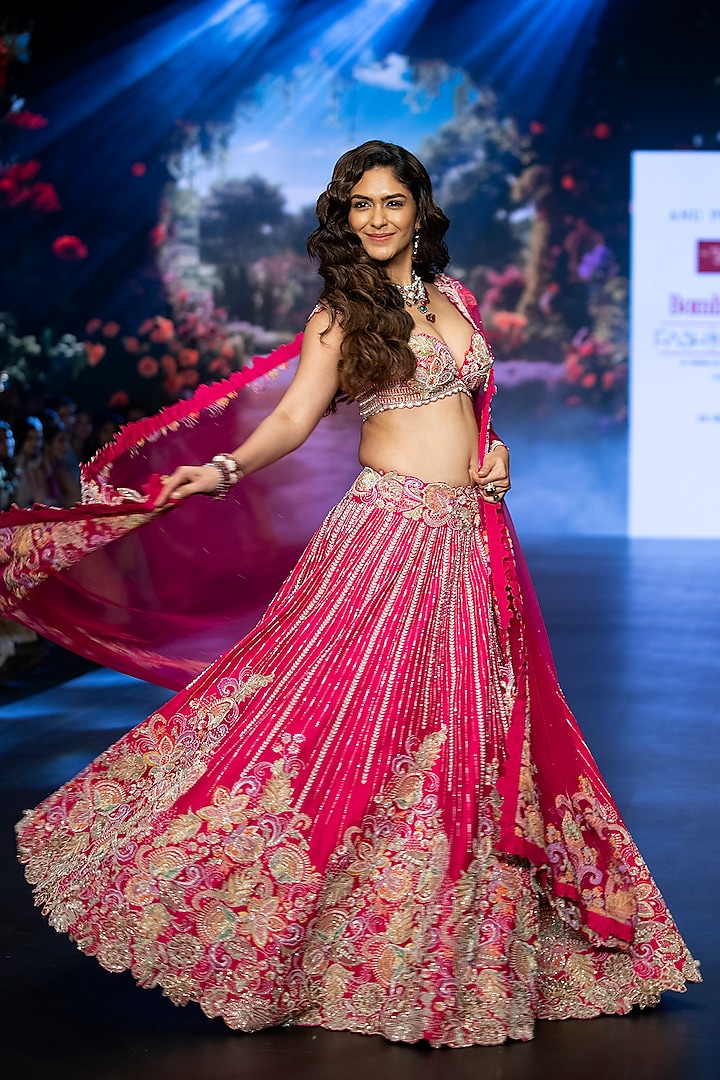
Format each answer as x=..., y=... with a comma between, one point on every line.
x=32, y=482
x=61, y=475
x=374, y=812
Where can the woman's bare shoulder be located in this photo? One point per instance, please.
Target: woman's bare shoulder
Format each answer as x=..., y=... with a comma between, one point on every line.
x=322, y=327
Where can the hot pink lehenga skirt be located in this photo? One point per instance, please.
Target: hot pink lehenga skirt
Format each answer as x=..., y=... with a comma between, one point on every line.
x=340, y=822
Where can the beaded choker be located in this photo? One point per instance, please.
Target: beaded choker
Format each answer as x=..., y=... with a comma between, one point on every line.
x=416, y=295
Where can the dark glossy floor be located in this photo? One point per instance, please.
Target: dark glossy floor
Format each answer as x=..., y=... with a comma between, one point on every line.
x=636, y=631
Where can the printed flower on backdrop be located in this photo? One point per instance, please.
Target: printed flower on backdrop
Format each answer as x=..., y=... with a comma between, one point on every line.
x=188, y=358
x=163, y=330
x=573, y=368
x=44, y=197
x=111, y=329
x=169, y=364
x=70, y=248
x=173, y=385
x=94, y=352
x=119, y=400
x=92, y=326
x=190, y=378
x=138, y=168
x=19, y=188
x=158, y=235
x=22, y=172
x=148, y=367
x=130, y=344
x=509, y=320
x=504, y=288
x=220, y=367
x=22, y=118
x=508, y=328
x=545, y=303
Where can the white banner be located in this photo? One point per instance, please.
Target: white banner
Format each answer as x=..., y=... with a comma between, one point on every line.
x=675, y=344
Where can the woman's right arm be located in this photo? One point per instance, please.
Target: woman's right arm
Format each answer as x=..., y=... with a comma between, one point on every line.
x=288, y=425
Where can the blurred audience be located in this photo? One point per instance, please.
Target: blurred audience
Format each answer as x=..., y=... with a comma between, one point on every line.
x=41, y=452
x=8, y=472
x=40, y=458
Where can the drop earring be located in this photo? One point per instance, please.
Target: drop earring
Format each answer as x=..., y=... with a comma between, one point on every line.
x=416, y=243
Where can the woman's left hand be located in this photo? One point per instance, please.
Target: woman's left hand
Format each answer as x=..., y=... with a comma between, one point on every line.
x=493, y=477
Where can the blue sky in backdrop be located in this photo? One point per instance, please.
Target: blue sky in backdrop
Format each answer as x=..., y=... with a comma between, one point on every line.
x=302, y=123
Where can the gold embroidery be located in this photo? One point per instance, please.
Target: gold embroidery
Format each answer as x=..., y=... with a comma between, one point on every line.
x=31, y=553
x=222, y=904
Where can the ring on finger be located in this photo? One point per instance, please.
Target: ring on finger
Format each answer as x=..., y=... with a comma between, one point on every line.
x=490, y=488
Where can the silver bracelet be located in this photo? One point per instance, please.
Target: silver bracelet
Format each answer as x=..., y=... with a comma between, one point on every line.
x=495, y=444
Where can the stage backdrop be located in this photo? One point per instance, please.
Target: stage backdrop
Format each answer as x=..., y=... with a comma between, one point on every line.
x=675, y=345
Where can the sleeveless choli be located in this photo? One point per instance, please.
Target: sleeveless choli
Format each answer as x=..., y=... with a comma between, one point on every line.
x=436, y=376
x=373, y=812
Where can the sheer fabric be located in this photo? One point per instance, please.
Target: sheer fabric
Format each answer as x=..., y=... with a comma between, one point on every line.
x=159, y=595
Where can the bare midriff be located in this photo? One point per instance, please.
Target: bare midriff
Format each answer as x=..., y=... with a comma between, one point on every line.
x=436, y=442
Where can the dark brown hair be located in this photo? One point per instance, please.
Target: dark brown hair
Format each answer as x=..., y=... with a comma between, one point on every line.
x=358, y=292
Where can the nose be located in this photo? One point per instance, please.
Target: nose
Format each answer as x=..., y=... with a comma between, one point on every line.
x=378, y=216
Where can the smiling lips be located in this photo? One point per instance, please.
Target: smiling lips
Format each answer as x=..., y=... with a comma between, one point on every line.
x=379, y=238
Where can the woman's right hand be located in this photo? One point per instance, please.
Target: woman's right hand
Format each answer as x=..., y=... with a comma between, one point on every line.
x=188, y=480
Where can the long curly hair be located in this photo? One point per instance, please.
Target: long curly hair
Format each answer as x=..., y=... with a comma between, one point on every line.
x=357, y=292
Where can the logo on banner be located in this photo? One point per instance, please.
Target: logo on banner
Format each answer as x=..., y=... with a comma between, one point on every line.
x=708, y=257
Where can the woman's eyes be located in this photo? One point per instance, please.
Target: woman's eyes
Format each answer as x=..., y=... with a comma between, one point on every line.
x=396, y=204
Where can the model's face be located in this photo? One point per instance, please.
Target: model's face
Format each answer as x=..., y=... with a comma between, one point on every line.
x=383, y=213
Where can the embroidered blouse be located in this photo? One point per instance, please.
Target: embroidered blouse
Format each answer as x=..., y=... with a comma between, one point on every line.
x=436, y=376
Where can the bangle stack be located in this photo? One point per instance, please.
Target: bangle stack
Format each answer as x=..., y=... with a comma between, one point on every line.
x=230, y=473
x=495, y=444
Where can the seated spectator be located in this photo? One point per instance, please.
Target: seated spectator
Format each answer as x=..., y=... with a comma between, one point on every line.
x=106, y=426
x=63, y=481
x=31, y=480
x=66, y=409
x=82, y=435
x=8, y=472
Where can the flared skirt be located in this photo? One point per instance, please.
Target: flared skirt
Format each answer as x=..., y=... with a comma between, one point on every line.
x=312, y=831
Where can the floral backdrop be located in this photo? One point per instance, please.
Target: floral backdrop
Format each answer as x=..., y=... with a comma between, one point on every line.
x=135, y=273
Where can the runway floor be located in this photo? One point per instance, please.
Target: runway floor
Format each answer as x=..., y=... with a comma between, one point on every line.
x=635, y=627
